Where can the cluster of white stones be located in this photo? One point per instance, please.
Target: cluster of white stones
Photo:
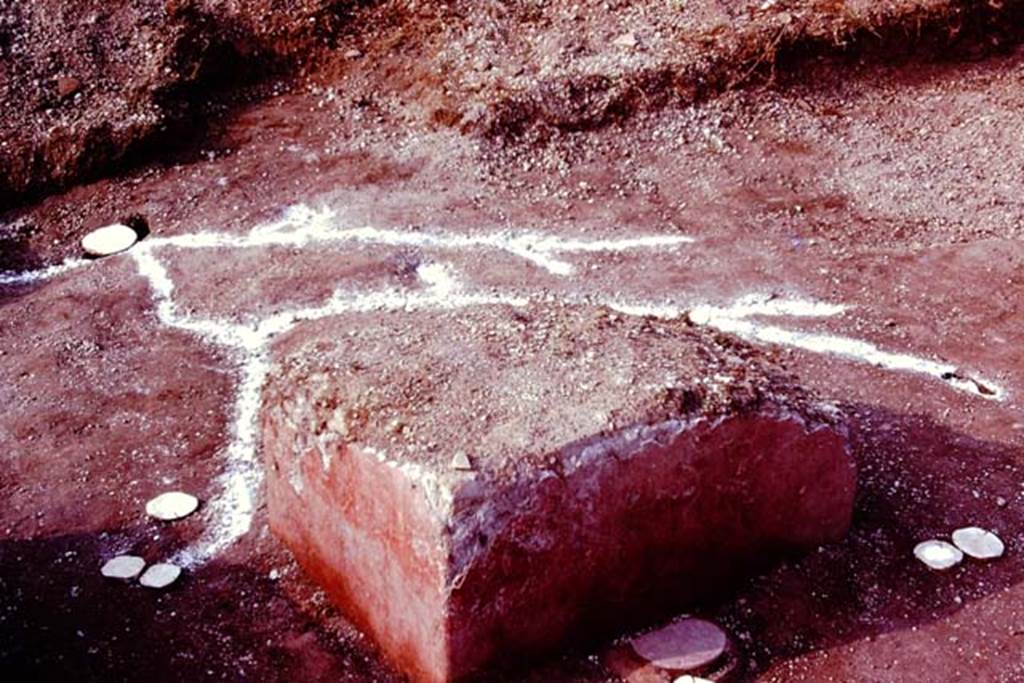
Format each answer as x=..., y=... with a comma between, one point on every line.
x=981, y=544
x=167, y=507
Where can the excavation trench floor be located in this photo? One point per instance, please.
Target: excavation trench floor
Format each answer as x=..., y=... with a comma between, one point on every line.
x=866, y=235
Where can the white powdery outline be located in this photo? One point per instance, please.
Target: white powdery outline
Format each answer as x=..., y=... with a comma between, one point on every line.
x=232, y=512
x=302, y=226
x=28, y=277
x=734, y=319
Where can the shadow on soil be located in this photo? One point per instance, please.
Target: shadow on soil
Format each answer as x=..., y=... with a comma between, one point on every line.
x=917, y=480
x=61, y=620
x=16, y=256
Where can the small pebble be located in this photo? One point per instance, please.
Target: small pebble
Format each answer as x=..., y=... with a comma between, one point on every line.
x=109, y=240
x=172, y=505
x=978, y=543
x=68, y=85
x=461, y=462
x=123, y=567
x=938, y=554
x=160, y=575
x=691, y=679
x=683, y=645
x=626, y=40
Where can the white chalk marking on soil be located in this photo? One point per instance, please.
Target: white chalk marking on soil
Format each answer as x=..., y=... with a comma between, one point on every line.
x=938, y=554
x=230, y=514
x=29, y=277
x=735, y=320
x=302, y=226
x=979, y=543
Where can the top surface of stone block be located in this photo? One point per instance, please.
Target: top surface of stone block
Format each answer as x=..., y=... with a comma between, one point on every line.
x=509, y=386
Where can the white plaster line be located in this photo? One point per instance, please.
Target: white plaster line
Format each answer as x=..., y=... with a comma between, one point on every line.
x=31, y=276
x=735, y=319
x=862, y=351
x=302, y=226
x=230, y=514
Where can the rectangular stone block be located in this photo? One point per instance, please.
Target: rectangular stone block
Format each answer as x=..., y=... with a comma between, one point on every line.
x=477, y=487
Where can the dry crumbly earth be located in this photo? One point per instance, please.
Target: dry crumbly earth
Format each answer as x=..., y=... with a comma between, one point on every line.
x=877, y=175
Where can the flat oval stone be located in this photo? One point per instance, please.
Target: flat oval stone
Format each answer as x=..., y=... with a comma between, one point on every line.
x=108, y=240
x=172, y=505
x=978, y=543
x=160, y=575
x=938, y=554
x=682, y=645
x=123, y=567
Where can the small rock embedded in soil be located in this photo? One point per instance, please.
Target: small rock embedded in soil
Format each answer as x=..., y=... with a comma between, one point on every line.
x=626, y=40
x=979, y=543
x=684, y=645
x=172, y=505
x=123, y=567
x=67, y=86
x=461, y=462
x=160, y=575
x=109, y=240
x=938, y=554
x=691, y=679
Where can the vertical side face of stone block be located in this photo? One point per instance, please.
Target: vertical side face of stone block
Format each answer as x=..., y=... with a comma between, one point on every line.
x=365, y=531
x=636, y=530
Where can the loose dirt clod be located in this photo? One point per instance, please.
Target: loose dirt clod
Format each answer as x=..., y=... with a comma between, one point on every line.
x=978, y=543
x=123, y=567
x=683, y=645
x=109, y=240
x=172, y=505
x=938, y=554
x=160, y=575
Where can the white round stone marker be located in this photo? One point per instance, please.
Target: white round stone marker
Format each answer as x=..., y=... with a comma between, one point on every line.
x=108, y=240
x=683, y=645
x=938, y=554
x=978, y=543
x=123, y=567
x=172, y=505
x=160, y=575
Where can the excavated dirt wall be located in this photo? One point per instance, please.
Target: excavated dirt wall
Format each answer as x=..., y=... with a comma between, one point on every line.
x=89, y=88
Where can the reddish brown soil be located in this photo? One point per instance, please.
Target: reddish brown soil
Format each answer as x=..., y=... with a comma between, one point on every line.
x=894, y=188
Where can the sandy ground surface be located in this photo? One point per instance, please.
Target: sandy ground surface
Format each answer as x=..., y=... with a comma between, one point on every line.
x=861, y=222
